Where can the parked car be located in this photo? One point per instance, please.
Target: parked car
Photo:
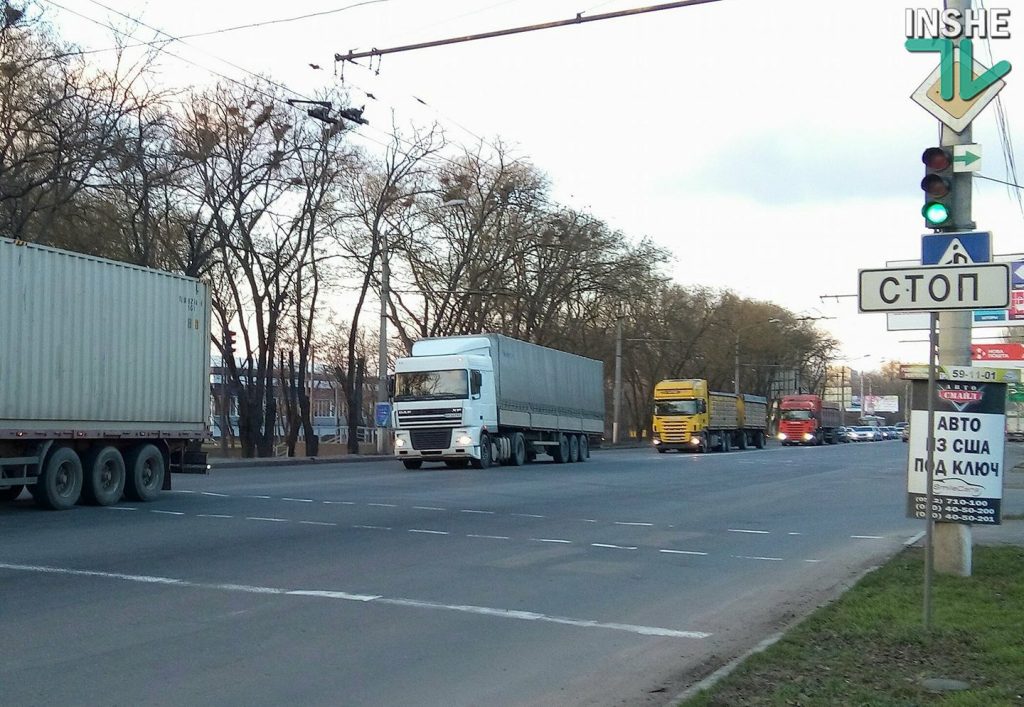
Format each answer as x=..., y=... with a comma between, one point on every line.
x=905, y=433
x=864, y=434
x=842, y=434
x=891, y=432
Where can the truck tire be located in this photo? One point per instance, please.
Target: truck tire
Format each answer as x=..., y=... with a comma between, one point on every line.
x=11, y=492
x=574, y=449
x=741, y=440
x=584, y=448
x=724, y=447
x=412, y=464
x=144, y=473
x=560, y=453
x=759, y=440
x=60, y=484
x=518, y=455
x=485, y=452
x=103, y=476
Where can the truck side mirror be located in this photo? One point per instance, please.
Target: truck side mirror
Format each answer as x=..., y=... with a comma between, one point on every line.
x=391, y=386
x=475, y=381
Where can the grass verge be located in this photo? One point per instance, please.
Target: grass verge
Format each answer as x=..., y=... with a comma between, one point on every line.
x=869, y=647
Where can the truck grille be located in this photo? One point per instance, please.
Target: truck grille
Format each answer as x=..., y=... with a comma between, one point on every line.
x=430, y=416
x=674, y=431
x=431, y=438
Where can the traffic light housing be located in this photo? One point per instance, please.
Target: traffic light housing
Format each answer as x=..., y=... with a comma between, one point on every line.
x=229, y=342
x=938, y=188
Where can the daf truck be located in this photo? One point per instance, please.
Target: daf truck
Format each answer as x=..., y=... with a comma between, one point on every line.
x=104, y=377
x=807, y=419
x=485, y=399
x=689, y=415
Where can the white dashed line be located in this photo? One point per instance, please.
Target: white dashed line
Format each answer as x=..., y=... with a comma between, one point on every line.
x=371, y=527
x=382, y=505
x=265, y=498
x=182, y=491
x=756, y=557
x=298, y=500
x=682, y=552
x=612, y=547
x=269, y=520
x=588, y=520
x=645, y=525
x=428, y=508
x=812, y=560
x=794, y=533
x=428, y=532
x=551, y=540
x=169, y=513
x=752, y=532
x=213, y=515
x=367, y=598
x=218, y=495
x=120, y=508
x=490, y=537
x=314, y=522
x=340, y=503
x=485, y=513
x=868, y=537
x=526, y=515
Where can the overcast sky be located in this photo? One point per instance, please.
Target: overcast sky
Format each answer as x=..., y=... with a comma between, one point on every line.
x=771, y=146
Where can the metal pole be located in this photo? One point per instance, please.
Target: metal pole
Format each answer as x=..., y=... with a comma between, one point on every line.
x=954, y=539
x=382, y=360
x=617, y=393
x=736, y=361
x=929, y=464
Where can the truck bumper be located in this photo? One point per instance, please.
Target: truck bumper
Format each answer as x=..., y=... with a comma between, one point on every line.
x=462, y=443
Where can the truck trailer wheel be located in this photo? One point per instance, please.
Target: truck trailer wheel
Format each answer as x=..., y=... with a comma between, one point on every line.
x=518, y=456
x=574, y=449
x=759, y=440
x=485, y=452
x=584, y=448
x=60, y=484
x=144, y=473
x=103, y=476
x=11, y=492
x=560, y=453
x=724, y=447
x=741, y=440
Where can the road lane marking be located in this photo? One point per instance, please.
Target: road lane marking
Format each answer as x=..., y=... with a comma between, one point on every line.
x=526, y=515
x=368, y=599
x=612, y=547
x=218, y=495
x=794, y=533
x=120, y=508
x=182, y=491
x=169, y=513
x=812, y=560
x=298, y=500
x=371, y=527
x=270, y=520
x=752, y=532
x=213, y=515
x=266, y=498
x=489, y=537
x=645, y=525
x=757, y=557
x=314, y=522
x=551, y=540
x=428, y=532
x=428, y=508
x=341, y=503
x=486, y=513
x=868, y=537
x=382, y=505
x=683, y=552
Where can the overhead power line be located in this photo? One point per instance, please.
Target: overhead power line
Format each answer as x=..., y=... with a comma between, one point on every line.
x=579, y=19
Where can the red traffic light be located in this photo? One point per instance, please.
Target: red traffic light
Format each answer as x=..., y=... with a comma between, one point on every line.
x=937, y=159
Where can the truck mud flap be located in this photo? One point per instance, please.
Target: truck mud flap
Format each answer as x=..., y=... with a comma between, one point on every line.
x=189, y=463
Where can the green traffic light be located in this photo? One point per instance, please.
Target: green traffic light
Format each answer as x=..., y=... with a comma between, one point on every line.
x=935, y=213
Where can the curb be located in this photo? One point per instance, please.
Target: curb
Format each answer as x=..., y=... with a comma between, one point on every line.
x=258, y=462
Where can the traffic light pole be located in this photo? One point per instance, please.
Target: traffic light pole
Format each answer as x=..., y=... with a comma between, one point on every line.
x=952, y=541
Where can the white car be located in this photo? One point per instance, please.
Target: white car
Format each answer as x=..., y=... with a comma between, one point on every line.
x=864, y=434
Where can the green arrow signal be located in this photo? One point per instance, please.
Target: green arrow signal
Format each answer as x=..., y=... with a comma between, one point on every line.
x=967, y=158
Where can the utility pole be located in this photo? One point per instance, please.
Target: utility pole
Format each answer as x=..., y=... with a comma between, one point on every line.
x=736, y=362
x=617, y=391
x=382, y=360
x=953, y=540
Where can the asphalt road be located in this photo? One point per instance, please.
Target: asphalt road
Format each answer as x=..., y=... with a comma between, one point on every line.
x=616, y=581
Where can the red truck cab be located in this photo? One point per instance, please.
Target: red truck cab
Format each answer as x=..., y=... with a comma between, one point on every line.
x=807, y=419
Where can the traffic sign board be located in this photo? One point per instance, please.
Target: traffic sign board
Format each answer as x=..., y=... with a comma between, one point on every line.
x=956, y=113
x=382, y=414
x=934, y=289
x=956, y=248
x=967, y=158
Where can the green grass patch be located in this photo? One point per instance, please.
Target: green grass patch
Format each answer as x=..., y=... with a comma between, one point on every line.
x=870, y=647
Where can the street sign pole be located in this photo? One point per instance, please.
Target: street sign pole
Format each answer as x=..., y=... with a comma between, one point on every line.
x=929, y=466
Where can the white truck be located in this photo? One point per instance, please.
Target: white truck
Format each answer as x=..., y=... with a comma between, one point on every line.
x=104, y=377
x=488, y=398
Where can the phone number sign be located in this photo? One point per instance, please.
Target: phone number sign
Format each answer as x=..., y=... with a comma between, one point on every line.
x=967, y=485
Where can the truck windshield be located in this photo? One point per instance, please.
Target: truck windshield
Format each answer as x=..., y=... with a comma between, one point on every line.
x=432, y=385
x=675, y=407
x=796, y=414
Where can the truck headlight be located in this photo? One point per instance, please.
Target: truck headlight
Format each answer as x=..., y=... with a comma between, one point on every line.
x=656, y=441
x=463, y=440
x=695, y=441
x=808, y=436
x=399, y=442
x=781, y=436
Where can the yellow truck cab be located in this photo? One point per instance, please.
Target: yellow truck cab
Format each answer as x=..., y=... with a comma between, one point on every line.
x=687, y=415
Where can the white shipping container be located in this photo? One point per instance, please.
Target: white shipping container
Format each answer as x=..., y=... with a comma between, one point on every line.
x=100, y=347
